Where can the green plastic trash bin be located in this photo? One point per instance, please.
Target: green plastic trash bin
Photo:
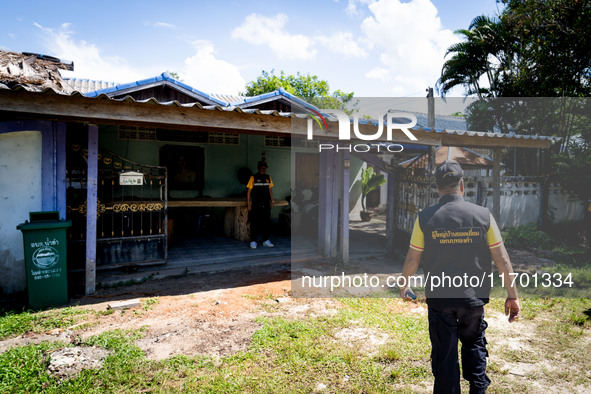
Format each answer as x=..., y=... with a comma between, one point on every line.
x=44, y=236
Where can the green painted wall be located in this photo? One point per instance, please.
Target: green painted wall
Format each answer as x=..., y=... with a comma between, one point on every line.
x=222, y=162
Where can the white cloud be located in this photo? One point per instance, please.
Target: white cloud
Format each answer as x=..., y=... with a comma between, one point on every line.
x=164, y=24
x=270, y=31
x=205, y=72
x=343, y=43
x=411, y=41
x=88, y=60
x=202, y=70
x=379, y=73
x=352, y=9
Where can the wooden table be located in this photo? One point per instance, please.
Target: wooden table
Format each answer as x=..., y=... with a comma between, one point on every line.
x=236, y=223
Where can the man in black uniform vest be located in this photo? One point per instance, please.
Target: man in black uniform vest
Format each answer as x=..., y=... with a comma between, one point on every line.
x=456, y=240
x=259, y=200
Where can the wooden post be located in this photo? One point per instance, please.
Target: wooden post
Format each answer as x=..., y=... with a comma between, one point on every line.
x=344, y=164
x=497, y=184
x=334, y=204
x=91, y=209
x=323, y=206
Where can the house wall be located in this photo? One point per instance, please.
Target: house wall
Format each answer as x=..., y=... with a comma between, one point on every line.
x=222, y=163
x=20, y=193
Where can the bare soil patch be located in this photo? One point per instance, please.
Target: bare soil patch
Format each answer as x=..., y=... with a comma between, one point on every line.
x=211, y=315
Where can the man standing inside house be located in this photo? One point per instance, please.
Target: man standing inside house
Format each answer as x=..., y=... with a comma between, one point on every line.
x=259, y=200
x=456, y=241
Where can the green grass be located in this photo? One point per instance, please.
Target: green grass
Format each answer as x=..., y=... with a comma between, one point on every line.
x=23, y=369
x=565, y=310
x=285, y=356
x=298, y=355
x=12, y=323
x=150, y=303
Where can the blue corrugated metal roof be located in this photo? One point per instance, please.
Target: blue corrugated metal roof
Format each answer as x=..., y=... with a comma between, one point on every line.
x=226, y=108
x=279, y=93
x=164, y=77
x=445, y=122
x=333, y=118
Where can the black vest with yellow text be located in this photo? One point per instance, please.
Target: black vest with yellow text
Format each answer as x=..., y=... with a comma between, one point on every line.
x=260, y=189
x=456, y=256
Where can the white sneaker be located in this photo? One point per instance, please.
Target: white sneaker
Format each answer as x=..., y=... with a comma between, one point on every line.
x=253, y=245
x=268, y=244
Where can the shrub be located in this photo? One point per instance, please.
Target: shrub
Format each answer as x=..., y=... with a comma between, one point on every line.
x=527, y=236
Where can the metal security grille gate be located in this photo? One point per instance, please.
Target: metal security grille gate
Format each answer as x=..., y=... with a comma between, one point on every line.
x=417, y=192
x=131, y=210
x=412, y=196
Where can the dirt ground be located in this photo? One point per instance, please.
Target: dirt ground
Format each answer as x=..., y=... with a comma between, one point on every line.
x=215, y=315
x=211, y=314
x=197, y=314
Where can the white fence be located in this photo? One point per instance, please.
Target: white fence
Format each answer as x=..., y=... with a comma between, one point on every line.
x=520, y=199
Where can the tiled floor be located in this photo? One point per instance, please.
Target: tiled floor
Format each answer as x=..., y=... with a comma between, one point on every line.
x=217, y=254
x=365, y=238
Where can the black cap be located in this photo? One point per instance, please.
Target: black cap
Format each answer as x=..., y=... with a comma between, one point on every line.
x=448, y=174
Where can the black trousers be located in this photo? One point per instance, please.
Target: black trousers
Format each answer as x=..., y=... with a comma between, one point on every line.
x=260, y=221
x=447, y=324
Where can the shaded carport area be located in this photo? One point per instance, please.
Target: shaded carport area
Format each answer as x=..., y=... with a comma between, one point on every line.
x=341, y=248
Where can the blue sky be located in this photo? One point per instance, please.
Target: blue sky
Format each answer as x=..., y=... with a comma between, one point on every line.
x=371, y=47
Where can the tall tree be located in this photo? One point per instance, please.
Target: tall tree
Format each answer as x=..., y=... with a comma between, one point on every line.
x=307, y=87
x=554, y=39
x=535, y=48
x=485, y=52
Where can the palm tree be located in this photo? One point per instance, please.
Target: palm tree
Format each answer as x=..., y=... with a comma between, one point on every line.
x=485, y=51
